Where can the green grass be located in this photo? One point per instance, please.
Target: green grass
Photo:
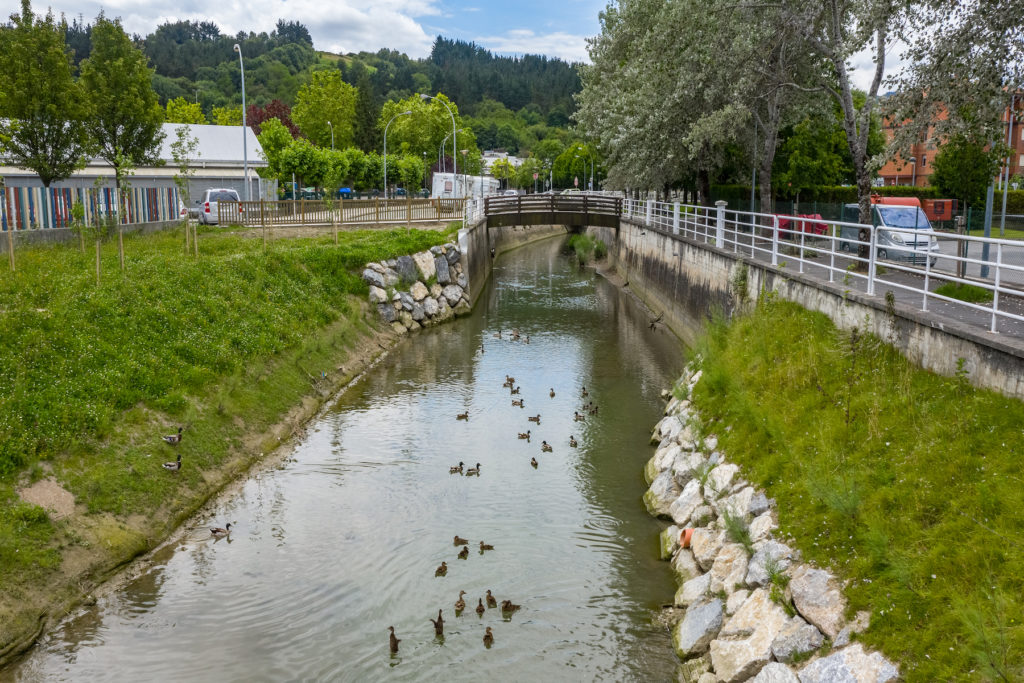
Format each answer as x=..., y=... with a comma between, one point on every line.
x=965, y=292
x=586, y=248
x=907, y=484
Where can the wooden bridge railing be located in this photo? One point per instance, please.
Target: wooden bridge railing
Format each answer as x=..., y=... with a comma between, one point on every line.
x=576, y=209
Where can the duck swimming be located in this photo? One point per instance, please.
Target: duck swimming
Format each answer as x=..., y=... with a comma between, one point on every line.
x=488, y=638
x=525, y=435
x=535, y=418
x=533, y=462
x=480, y=609
x=464, y=553
x=552, y=392
x=460, y=604
x=491, y=601
x=393, y=641
x=457, y=469
x=473, y=471
x=221, y=531
x=442, y=570
x=507, y=606
x=463, y=416
x=572, y=441
x=438, y=624
x=485, y=546
x=545, y=447
x=517, y=404
x=460, y=541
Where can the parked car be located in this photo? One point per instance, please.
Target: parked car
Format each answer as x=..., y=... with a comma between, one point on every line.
x=904, y=232
x=423, y=194
x=344, y=193
x=510, y=193
x=399, y=193
x=209, y=205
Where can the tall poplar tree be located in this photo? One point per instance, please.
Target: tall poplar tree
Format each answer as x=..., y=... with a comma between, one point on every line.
x=43, y=125
x=126, y=116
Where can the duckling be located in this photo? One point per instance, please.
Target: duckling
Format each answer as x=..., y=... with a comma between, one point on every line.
x=507, y=384
x=584, y=393
x=525, y=435
x=460, y=541
x=221, y=531
x=509, y=379
x=464, y=553
x=517, y=404
x=488, y=638
x=545, y=447
x=491, y=601
x=507, y=606
x=515, y=390
x=460, y=604
x=535, y=418
x=463, y=416
x=393, y=641
x=173, y=466
x=533, y=462
x=480, y=609
x=552, y=392
x=442, y=570
x=473, y=471
x=457, y=469
x=576, y=417
x=572, y=441
x=485, y=546
x=438, y=624
x=173, y=439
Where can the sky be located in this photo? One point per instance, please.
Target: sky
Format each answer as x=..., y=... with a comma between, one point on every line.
x=556, y=28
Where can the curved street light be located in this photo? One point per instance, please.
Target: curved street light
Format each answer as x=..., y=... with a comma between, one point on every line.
x=440, y=157
x=332, y=135
x=403, y=113
x=455, y=136
x=245, y=153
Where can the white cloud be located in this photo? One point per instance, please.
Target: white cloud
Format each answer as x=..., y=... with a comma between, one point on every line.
x=572, y=48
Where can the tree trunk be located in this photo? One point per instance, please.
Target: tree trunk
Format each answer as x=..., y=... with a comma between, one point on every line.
x=704, y=186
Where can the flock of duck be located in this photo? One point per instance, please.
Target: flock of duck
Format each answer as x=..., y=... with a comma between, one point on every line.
x=175, y=466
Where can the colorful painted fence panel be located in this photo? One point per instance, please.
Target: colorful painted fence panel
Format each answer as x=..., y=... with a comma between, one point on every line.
x=34, y=208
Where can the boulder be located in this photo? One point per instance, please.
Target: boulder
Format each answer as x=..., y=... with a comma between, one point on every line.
x=796, y=638
x=762, y=526
x=377, y=268
x=435, y=290
x=651, y=470
x=860, y=623
x=702, y=515
x=684, y=565
x=452, y=255
x=415, y=326
x=670, y=427
x=688, y=500
x=738, y=504
x=851, y=664
x=391, y=263
x=430, y=306
x=707, y=677
x=694, y=633
x=729, y=568
x=462, y=281
x=705, y=544
x=418, y=291
x=425, y=265
x=765, y=553
x=695, y=669
x=387, y=313
x=399, y=327
x=391, y=278
x=407, y=300
x=666, y=455
x=463, y=307
x=396, y=297
x=662, y=493
x=773, y=672
x=817, y=597
x=735, y=601
x=417, y=312
x=759, y=504
x=372, y=277
x=377, y=295
x=668, y=541
x=710, y=443
x=693, y=590
x=444, y=275
x=437, y=250
x=719, y=479
x=405, y=317
x=452, y=293
x=744, y=645
x=685, y=465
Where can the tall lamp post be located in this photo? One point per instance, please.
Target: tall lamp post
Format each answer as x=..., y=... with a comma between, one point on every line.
x=913, y=171
x=245, y=152
x=455, y=135
x=332, y=134
x=403, y=113
x=440, y=151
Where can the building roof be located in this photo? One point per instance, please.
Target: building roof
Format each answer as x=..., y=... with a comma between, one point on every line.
x=218, y=145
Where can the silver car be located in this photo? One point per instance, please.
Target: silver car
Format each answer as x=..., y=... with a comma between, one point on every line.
x=209, y=205
x=903, y=233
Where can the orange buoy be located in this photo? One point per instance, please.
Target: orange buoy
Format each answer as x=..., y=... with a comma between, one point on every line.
x=684, y=538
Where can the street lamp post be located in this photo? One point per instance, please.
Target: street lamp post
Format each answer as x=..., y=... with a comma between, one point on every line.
x=455, y=136
x=332, y=135
x=913, y=171
x=403, y=113
x=245, y=152
x=440, y=152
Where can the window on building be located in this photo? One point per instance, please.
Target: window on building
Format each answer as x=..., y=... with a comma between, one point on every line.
x=924, y=160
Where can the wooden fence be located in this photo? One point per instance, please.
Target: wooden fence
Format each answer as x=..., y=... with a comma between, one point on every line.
x=340, y=212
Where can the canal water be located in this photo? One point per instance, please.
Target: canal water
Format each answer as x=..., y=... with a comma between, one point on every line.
x=343, y=539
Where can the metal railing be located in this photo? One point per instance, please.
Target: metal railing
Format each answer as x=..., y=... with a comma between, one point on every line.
x=831, y=250
x=305, y=212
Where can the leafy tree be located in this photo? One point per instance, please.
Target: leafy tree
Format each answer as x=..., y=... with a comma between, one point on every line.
x=227, y=116
x=184, y=151
x=307, y=162
x=42, y=109
x=503, y=170
x=274, y=139
x=256, y=115
x=126, y=116
x=963, y=168
x=427, y=126
x=326, y=98
x=365, y=133
x=180, y=110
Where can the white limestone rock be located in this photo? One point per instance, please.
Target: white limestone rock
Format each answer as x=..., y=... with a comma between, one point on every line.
x=665, y=456
x=688, y=500
x=670, y=427
x=430, y=306
x=850, y=665
x=684, y=565
x=719, y=479
x=694, y=633
x=662, y=493
x=693, y=590
x=735, y=601
x=763, y=526
x=435, y=290
x=738, y=504
x=685, y=465
x=773, y=672
x=419, y=291
x=729, y=568
x=765, y=553
x=425, y=265
x=818, y=598
x=668, y=541
x=796, y=638
x=452, y=293
x=705, y=544
x=744, y=645
x=377, y=295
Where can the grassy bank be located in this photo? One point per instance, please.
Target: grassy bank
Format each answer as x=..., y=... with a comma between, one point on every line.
x=229, y=345
x=586, y=248
x=907, y=484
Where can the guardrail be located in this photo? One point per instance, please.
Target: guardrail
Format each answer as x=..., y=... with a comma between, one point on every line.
x=303, y=212
x=829, y=249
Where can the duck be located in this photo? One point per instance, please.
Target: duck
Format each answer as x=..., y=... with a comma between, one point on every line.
x=485, y=546
x=497, y=335
x=473, y=471
x=593, y=411
x=509, y=379
x=584, y=393
x=572, y=441
x=525, y=435
x=515, y=390
x=507, y=606
x=173, y=466
x=507, y=384
x=438, y=624
x=393, y=641
x=460, y=604
x=552, y=392
x=463, y=416
x=535, y=418
x=442, y=570
x=464, y=553
x=480, y=609
x=526, y=339
x=533, y=462
x=488, y=638
x=173, y=439
x=576, y=417
x=221, y=532
x=457, y=469
x=545, y=447
x=517, y=404
x=460, y=541
x=491, y=601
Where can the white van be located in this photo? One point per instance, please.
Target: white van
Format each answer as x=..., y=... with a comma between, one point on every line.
x=904, y=232
x=209, y=209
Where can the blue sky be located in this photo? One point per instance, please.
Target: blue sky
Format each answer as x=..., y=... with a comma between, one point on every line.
x=556, y=29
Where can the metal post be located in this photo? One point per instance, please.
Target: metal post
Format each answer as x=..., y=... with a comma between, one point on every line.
x=675, y=218
x=775, y=240
x=989, y=201
x=927, y=277
x=650, y=210
x=872, y=249
x=995, y=291
x=404, y=113
x=245, y=153
x=720, y=223
x=1006, y=185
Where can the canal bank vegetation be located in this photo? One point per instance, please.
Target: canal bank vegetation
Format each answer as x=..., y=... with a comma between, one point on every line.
x=905, y=483
x=586, y=248
x=235, y=346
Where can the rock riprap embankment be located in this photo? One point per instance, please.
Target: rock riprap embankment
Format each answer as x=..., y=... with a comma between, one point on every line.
x=753, y=609
x=419, y=290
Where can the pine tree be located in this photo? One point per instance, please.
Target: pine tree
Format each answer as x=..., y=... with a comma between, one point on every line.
x=366, y=135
